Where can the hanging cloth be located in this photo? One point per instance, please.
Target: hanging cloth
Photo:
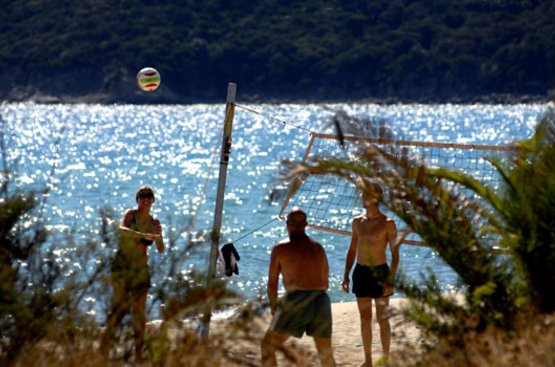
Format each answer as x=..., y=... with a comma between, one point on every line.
x=227, y=260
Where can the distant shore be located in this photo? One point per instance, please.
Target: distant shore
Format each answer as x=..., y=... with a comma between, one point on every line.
x=167, y=97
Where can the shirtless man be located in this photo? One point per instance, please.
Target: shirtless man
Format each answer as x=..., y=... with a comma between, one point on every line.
x=372, y=277
x=306, y=307
x=130, y=272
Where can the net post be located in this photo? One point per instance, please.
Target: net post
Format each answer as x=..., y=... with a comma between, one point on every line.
x=218, y=211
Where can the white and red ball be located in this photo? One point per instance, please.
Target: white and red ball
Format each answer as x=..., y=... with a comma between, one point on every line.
x=148, y=79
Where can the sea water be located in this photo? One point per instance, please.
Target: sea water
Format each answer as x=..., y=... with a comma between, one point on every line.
x=96, y=156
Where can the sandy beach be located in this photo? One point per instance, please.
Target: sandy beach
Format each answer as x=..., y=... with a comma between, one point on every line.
x=346, y=339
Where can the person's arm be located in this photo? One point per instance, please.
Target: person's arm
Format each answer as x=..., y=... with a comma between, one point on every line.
x=160, y=239
x=394, y=248
x=326, y=269
x=126, y=223
x=124, y=229
x=273, y=278
x=350, y=258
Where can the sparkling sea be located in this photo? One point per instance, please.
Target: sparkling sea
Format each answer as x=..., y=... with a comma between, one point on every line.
x=93, y=156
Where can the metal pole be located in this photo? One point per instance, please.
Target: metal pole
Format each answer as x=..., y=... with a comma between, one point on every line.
x=218, y=211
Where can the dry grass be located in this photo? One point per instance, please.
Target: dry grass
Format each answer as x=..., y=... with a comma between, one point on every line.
x=235, y=342
x=531, y=345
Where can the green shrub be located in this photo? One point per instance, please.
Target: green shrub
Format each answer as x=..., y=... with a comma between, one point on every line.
x=502, y=282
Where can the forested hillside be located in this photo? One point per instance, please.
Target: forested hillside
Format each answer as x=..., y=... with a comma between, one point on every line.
x=286, y=50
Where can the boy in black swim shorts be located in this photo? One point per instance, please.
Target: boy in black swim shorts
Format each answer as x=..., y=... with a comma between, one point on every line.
x=372, y=232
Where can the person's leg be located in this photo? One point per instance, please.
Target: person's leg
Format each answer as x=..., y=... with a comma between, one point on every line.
x=139, y=322
x=270, y=344
x=118, y=308
x=365, y=310
x=382, y=315
x=320, y=327
x=325, y=351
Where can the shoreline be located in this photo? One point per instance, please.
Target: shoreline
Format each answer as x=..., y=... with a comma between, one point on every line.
x=174, y=99
x=92, y=102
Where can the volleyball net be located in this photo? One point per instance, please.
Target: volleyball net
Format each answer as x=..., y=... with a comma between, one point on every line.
x=332, y=202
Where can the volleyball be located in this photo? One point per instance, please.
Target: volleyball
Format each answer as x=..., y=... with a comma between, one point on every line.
x=148, y=79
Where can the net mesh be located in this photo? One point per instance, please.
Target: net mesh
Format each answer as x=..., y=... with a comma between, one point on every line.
x=331, y=202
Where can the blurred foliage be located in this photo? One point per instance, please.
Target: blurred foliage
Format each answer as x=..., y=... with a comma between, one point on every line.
x=308, y=50
x=55, y=292
x=500, y=241
x=54, y=295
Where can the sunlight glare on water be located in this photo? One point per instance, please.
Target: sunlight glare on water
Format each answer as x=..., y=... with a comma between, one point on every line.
x=93, y=156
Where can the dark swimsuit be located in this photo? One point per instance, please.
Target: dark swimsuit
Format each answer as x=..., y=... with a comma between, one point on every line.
x=370, y=281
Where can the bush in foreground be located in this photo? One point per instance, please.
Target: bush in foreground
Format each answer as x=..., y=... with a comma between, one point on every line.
x=500, y=242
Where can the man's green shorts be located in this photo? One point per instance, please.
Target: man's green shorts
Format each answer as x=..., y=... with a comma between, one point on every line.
x=303, y=311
